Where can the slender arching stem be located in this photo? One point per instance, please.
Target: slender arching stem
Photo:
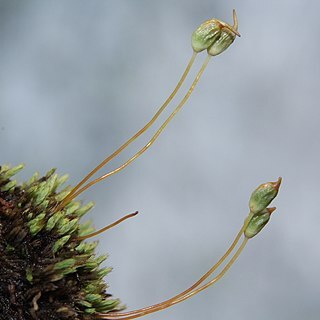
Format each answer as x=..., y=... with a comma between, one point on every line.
x=148, y=145
x=133, y=138
x=93, y=234
x=214, y=280
x=195, y=285
x=172, y=302
x=203, y=278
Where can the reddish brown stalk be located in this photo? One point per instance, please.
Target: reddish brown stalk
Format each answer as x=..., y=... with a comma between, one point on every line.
x=93, y=234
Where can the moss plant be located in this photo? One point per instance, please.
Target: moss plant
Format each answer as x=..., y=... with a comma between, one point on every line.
x=46, y=271
x=49, y=271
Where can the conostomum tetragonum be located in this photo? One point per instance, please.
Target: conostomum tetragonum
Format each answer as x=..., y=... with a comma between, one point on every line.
x=46, y=272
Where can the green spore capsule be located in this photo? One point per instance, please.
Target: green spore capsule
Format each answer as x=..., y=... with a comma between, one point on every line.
x=205, y=35
x=257, y=223
x=263, y=195
x=215, y=36
x=222, y=43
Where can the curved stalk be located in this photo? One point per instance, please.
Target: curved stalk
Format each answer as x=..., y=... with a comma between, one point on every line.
x=139, y=313
x=69, y=197
x=147, y=146
x=93, y=234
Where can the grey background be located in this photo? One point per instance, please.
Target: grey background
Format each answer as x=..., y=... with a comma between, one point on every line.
x=77, y=78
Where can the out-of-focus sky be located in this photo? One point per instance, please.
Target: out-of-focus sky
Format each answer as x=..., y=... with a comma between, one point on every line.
x=77, y=78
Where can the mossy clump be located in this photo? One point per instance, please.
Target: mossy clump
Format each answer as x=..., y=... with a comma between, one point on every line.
x=46, y=272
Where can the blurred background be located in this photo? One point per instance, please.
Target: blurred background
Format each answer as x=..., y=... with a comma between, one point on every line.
x=78, y=78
